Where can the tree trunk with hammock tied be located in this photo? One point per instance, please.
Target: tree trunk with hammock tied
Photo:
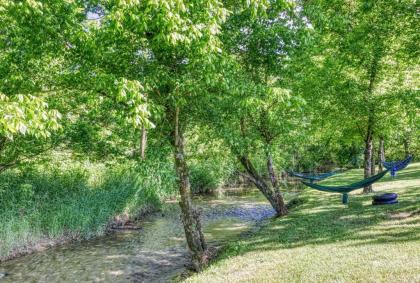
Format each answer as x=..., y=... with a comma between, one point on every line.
x=368, y=156
x=190, y=216
x=369, y=166
x=381, y=154
x=373, y=161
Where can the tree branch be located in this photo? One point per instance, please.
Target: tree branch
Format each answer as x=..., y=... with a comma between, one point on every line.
x=249, y=177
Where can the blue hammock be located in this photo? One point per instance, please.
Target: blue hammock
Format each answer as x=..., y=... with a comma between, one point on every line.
x=345, y=189
x=315, y=177
x=397, y=165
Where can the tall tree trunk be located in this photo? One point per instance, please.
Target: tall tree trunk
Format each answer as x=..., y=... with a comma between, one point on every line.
x=276, y=202
x=368, y=156
x=274, y=181
x=372, y=162
x=143, y=143
x=369, y=134
x=381, y=154
x=190, y=217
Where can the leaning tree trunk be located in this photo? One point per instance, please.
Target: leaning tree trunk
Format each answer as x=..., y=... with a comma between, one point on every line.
x=368, y=157
x=275, y=183
x=273, y=194
x=381, y=154
x=275, y=200
x=190, y=217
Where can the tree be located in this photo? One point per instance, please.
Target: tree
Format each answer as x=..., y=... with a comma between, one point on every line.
x=253, y=120
x=127, y=64
x=32, y=46
x=256, y=111
x=361, y=47
x=162, y=51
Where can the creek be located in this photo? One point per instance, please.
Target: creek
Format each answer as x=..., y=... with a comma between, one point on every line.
x=156, y=252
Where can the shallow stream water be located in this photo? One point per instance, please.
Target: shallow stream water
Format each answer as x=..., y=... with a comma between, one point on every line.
x=155, y=253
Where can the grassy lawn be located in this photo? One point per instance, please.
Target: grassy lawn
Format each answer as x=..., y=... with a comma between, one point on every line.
x=325, y=241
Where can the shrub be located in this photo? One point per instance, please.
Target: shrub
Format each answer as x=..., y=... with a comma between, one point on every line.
x=208, y=176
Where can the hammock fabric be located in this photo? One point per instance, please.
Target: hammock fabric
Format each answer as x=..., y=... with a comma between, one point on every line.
x=316, y=177
x=397, y=165
x=345, y=189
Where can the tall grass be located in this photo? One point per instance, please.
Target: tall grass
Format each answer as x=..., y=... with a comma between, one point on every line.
x=63, y=201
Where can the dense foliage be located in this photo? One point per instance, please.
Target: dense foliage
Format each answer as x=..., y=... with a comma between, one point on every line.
x=221, y=88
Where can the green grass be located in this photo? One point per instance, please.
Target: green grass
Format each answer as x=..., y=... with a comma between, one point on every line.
x=325, y=241
x=66, y=201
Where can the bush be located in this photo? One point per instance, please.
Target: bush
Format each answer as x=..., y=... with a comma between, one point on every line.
x=208, y=176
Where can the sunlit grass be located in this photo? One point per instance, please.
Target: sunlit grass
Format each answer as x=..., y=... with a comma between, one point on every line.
x=325, y=241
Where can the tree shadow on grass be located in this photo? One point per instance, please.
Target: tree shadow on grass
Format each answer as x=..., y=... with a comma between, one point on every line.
x=323, y=220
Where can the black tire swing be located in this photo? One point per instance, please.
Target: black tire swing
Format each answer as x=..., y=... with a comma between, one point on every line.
x=389, y=198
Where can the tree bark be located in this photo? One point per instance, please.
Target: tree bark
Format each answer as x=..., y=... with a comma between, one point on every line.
x=368, y=157
x=381, y=154
x=189, y=215
x=273, y=194
x=276, y=187
x=372, y=162
x=275, y=200
x=143, y=143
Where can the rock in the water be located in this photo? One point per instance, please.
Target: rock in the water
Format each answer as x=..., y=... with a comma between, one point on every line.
x=3, y=274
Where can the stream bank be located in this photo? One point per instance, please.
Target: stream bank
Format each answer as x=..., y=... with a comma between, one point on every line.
x=154, y=253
